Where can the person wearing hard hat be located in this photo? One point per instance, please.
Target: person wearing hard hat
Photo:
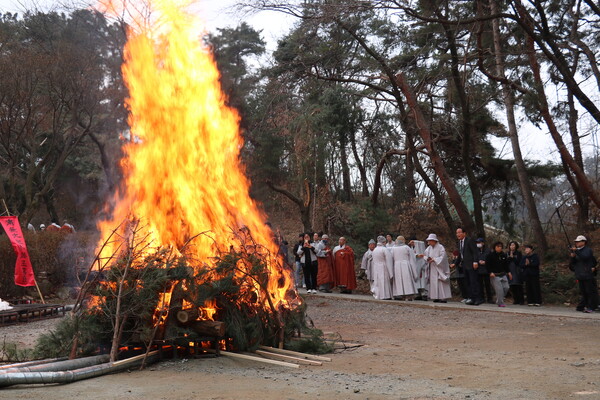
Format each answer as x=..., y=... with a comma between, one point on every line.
x=583, y=264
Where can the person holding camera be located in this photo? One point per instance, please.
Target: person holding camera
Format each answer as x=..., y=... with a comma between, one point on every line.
x=583, y=264
x=310, y=266
x=530, y=263
x=514, y=265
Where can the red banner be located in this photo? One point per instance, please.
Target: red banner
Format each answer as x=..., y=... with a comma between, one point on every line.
x=23, y=270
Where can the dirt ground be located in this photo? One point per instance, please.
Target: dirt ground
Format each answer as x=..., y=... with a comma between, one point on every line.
x=410, y=352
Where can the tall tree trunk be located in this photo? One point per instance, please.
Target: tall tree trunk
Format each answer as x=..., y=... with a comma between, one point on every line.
x=468, y=131
x=347, y=185
x=509, y=104
x=379, y=171
x=440, y=200
x=49, y=201
x=104, y=159
x=411, y=185
x=400, y=85
x=583, y=202
x=320, y=172
x=360, y=166
x=582, y=181
x=303, y=205
x=436, y=160
x=553, y=50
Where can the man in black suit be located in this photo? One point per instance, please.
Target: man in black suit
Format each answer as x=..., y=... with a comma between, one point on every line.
x=467, y=259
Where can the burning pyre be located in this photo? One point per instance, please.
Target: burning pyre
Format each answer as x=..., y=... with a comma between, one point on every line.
x=184, y=233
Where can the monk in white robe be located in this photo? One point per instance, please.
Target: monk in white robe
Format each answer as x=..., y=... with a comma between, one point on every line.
x=383, y=271
x=422, y=269
x=405, y=270
x=389, y=242
x=367, y=262
x=439, y=270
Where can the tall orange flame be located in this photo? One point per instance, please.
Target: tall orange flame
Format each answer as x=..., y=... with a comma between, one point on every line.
x=182, y=173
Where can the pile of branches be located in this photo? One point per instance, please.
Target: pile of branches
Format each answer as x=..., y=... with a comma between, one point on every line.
x=131, y=299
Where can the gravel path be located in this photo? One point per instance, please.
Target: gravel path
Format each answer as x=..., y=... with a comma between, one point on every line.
x=411, y=351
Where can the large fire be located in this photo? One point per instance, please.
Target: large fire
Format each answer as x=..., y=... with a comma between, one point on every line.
x=182, y=175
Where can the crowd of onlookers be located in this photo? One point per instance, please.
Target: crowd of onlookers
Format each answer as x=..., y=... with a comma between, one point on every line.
x=422, y=270
x=53, y=227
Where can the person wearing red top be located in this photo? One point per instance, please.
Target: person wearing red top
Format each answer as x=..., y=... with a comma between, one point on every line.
x=343, y=261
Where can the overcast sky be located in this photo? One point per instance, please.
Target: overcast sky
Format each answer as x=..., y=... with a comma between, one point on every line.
x=216, y=14
x=221, y=13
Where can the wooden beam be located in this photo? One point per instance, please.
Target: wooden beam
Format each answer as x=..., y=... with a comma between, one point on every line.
x=295, y=354
x=282, y=357
x=258, y=359
x=135, y=358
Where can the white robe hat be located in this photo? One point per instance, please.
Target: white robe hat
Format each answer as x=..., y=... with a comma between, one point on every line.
x=432, y=236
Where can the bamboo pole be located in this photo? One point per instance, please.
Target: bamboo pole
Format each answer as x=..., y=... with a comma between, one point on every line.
x=34, y=280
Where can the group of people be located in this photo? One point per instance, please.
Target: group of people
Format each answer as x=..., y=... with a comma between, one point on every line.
x=53, y=227
x=407, y=271
x=416, y=270
x=324, y=267
x=479, y=270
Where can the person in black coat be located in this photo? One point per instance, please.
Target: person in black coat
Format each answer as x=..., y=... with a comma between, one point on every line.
x=583, y=264
x=514, y=265
x=496, y=263
x=483, y=275
x=468, y=261
x=298, y=274
x=310, y=266
x=530, y=262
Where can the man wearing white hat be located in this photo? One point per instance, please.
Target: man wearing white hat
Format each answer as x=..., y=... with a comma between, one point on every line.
x=583, y=264
x=439, y=270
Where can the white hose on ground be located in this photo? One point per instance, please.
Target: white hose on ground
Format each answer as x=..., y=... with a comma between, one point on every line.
x=60, y=365
x=30, y=363
x=45, y=377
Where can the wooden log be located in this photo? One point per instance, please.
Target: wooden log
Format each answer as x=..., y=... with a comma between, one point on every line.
x=259, y=359
x=209, y=328
x=187, y=316
x=295, y=354
x=282, y=357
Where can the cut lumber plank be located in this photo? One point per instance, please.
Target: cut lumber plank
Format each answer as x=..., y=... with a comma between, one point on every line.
x=135, y=358
x=258, y=359
x=282, y=357
x=347, y=344
x=295, y=354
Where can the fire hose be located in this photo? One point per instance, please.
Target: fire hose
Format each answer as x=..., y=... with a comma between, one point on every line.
x=71, y=370
x=3, y=368
x=59, y=365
